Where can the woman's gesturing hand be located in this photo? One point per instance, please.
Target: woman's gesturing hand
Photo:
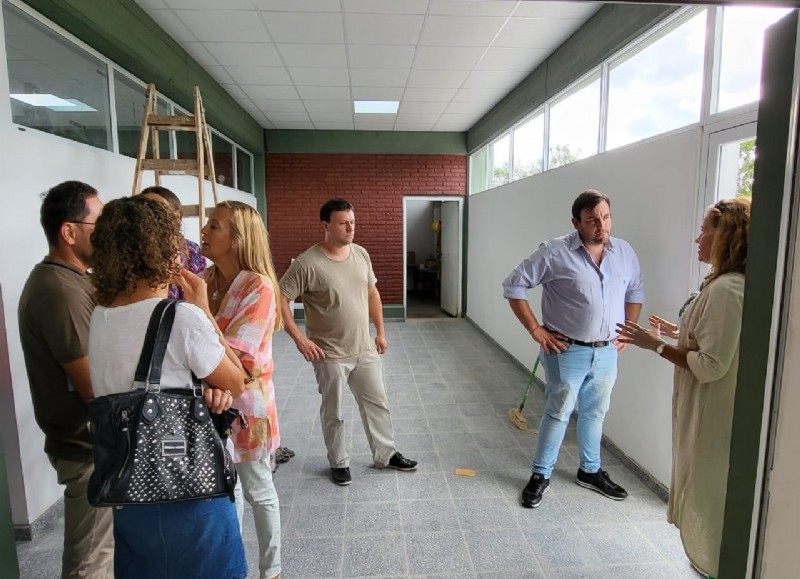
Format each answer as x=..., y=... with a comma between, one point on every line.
x=632, y=333
x=194, y=289
x=663, y=327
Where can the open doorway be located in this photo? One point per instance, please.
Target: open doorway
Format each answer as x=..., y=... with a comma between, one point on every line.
x=432, y=241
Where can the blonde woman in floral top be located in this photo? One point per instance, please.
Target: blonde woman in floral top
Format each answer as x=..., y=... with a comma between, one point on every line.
x=242, y=290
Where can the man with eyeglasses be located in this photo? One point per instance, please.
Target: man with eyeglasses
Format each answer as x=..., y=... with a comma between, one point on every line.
x=54, y=311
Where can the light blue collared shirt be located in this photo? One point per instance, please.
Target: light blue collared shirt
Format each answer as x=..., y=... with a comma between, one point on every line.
x=580, y=299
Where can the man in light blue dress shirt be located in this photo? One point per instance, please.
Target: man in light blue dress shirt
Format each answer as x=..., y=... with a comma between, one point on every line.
x=590, y=282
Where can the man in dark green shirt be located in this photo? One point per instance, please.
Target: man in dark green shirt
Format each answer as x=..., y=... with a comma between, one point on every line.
x=54, y=312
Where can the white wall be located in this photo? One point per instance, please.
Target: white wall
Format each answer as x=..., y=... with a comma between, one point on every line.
x=32, y=162
x=653, y=188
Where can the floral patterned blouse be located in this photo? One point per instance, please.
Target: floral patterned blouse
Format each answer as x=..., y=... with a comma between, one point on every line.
x=194, y=262
x=246, y=317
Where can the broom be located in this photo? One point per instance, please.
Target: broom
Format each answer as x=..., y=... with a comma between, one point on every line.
x=515, y=414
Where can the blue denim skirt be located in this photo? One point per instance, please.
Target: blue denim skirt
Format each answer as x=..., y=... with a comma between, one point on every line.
x=185, y=540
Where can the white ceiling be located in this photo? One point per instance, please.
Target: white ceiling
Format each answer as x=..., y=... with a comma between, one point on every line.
x=299, y=64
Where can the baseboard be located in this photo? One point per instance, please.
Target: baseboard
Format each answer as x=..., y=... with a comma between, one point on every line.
x=46, y=519
x=648, y=479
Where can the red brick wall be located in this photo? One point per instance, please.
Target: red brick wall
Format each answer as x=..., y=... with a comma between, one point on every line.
x=298, y=184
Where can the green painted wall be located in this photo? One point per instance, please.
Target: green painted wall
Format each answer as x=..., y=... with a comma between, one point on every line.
x=370, y=142
x=9, y=568
x=774, y=135
x=609, y=30
x=124, y=33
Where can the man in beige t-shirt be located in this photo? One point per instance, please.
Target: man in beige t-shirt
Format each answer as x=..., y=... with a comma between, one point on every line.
x=337, y=284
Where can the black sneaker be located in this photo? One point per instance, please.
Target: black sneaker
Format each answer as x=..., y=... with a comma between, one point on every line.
x=600, y=481
x=399, y=462
x=341, y=476
x=533, y=491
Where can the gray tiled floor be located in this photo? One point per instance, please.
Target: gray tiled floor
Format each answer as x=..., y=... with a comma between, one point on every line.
x=449, y=391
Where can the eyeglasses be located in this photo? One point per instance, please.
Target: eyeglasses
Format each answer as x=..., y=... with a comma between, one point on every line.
x=84, y=222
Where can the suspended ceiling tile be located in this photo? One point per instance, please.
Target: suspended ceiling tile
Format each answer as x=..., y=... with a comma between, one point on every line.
x=261, y=92
x=198, y=51
x=320, y=76
x=293, y=125
x=416, y=107
x=299, y=5
x=477, y=95
x=373, y=93
x=466, y=107
x=236, y=91
x=172, y=25
x=224, y=25
x=429, y=94
x=372, y=124
x=386, y=6
x=286, y=116
x=329, y=106
x=378, y=29
x=279, y=106
x=409, y=126
x=300, y=27
x=460, y=30
x=313, y=55
x=219, y=74
x=152, y=4
x=391, y=77
x=506, y=79
x=418, y=118
x=267, y=75
x=238, y=53
x=447, y=57
x=375, y=56
x=536, y=33
x=208, y=4
x=461, y=8
x=324, y=92
x=582, y=10
x=526, y=59
x=437, y=78
x=331, y=117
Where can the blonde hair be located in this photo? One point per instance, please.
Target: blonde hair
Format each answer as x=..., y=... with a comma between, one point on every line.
x=731, y=221
x=251, y=243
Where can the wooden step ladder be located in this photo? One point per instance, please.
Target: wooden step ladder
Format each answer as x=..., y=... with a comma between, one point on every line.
x=202, y=166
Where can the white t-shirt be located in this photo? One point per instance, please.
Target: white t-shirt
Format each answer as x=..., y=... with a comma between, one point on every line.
x=116, y=336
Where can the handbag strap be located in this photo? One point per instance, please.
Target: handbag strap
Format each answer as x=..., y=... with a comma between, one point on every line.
x=155, y=343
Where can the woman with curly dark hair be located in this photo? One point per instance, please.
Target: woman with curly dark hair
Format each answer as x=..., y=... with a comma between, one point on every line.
x=136, y=246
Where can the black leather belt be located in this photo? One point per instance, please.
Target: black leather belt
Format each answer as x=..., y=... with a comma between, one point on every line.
x=598, y=344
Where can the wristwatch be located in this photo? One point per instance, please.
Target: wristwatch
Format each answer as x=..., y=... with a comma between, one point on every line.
x=660, y=348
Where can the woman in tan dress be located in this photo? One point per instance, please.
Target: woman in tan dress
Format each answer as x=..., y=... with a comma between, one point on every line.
x=706, y=360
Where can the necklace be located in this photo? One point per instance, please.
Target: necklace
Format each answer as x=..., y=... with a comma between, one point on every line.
x=216, y=295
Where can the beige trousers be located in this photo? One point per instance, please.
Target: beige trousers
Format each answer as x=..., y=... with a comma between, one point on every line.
x=88, y=531
x=364, y=376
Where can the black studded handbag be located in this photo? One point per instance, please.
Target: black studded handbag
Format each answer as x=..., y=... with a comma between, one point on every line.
x=155, y=444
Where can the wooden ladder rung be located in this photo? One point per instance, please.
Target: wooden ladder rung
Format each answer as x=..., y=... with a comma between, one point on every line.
x=172, y=123
x=194, y=210
x=184, y=165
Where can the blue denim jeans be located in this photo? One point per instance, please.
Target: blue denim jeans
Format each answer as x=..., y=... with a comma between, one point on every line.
x=584, y=375
x=198, y=539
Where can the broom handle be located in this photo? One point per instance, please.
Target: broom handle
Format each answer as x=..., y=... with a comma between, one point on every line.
x=530, y=382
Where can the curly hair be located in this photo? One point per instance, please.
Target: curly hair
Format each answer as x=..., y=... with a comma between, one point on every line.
x=251, y=243
x=731, y=221
x=134, y=239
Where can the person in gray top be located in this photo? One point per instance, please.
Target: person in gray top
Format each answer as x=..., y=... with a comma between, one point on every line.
x=337, y=284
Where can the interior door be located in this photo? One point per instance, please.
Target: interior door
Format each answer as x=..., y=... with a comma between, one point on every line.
x=450, y=268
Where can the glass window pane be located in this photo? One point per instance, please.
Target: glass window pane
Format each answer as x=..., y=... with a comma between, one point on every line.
x=735, y=170
x=499, y=160
x=529, y=148
x=222, y=151
x=477, y=171
x=56, y=86
x=740, y=59
x=574, y=126
x=130, y=98
x=185, y=141
x=658, y=88
x=244, y=180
